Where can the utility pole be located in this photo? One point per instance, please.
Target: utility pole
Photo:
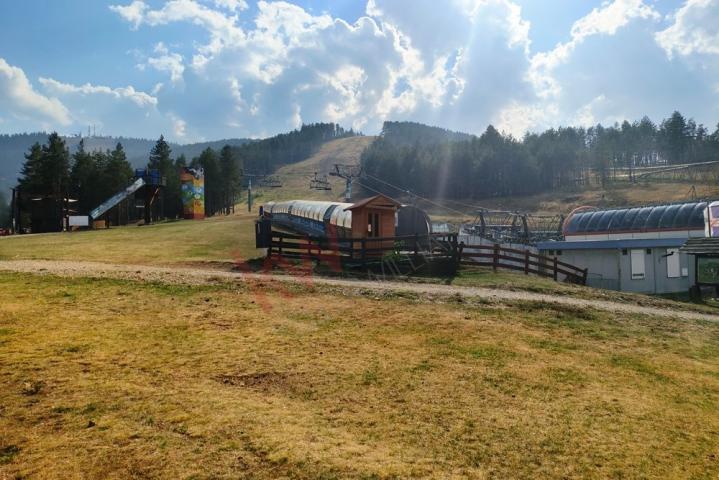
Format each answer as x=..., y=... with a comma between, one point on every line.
x=249, y=194
x=349, y=173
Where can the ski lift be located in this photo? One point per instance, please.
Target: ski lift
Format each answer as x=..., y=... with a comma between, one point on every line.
x=320, y=183
x=271, y=182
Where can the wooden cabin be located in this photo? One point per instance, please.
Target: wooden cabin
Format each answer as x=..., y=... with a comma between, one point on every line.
x=374, y=217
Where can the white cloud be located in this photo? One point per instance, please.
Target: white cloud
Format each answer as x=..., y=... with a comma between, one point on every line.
x=122, y=111
x=461, y=66
x=168, y=62
x=141, y=99
x=179, y=126
x=695, y=29
x=517, y=118
x=231, y=5
x=133, y=12
x=18, y=98
x=605, y=20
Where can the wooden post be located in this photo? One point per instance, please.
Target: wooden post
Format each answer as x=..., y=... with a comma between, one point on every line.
x=526, y=262
x=584, y=276
x=495, y=257
x=363, y=252
x=555, y=269
x=416, y=243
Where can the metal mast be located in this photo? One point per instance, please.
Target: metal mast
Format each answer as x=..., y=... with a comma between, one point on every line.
x=349, y=173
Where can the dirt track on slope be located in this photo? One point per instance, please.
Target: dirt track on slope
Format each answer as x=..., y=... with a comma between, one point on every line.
x=200, y=276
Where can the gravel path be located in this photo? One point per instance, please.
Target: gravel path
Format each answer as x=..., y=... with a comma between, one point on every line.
x=200, y=276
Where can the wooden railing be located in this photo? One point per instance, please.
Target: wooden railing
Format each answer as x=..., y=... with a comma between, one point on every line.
x=367, y=251
x=291, y=244
x=525, y=261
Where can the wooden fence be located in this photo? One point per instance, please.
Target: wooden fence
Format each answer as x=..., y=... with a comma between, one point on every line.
x=364, y=252
x=525, y=261
x=417, y=251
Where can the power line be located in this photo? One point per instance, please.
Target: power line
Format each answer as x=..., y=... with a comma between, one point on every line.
x=450, y=209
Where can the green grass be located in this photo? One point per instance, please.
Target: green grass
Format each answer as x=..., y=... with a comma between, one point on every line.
x=117, y=379
x=220, y=239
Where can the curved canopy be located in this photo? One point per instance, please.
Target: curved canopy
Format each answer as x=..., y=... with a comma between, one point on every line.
x=678, y=216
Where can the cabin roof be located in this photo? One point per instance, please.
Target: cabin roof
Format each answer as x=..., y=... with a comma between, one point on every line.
x=708, y=247
x=376, y=201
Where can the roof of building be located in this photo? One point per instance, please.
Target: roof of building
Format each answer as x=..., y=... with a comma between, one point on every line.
x=613, y=244
x=378, y=200
x=678, y=216
x=702, y=246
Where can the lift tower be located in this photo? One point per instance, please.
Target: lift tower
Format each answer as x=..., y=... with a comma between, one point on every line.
x=349, y=173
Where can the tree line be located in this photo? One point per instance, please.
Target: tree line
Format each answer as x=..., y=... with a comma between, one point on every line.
x=437, y=163
x=267, y=155
x=87, y=178
x=51, y=172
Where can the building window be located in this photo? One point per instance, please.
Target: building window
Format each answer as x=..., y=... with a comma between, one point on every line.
x=673, y=264
x=637, y=264
x=373, y=225
x=649, y=251
x=625, y=251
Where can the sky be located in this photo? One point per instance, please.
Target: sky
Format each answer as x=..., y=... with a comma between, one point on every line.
x=197, y=70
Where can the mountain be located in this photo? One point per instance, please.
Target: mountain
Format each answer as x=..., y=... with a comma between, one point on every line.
x=14, y=147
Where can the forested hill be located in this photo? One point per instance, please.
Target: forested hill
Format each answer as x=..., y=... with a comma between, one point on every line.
x=412, y=133
x=14, y=147
x=433, y=162
x=267, y=155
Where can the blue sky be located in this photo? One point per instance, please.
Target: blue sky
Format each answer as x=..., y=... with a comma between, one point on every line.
x=208, y=69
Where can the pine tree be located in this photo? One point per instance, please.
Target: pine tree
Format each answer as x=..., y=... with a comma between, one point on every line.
x=160, y=156
x=118, y=170
x=30, y=178
x=55, y=166
x=230, y=178
x=213, y=191
x=160, y=160
x=84, y=179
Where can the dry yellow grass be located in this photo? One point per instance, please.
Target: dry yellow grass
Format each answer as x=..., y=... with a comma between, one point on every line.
x=111, y=379
x=219, y=239
x=296, y=177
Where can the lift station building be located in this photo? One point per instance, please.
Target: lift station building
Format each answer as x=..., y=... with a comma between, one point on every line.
x=633, y=249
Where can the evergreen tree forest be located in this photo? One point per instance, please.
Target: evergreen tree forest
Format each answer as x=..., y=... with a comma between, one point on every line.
x=265, y=156
x=91, y=177
x=433, y=162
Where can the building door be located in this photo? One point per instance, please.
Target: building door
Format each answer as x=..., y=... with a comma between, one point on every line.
x=638, y=264
x=373, y=229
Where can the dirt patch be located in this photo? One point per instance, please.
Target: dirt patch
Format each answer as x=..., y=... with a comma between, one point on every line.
x=259, y=281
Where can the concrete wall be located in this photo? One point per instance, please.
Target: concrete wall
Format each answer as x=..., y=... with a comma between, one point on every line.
x=611, y=269
x=602, y=266
x=656, y=279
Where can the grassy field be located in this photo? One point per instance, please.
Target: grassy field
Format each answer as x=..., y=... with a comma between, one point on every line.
x=296, y=177
x=111, y=379
x=213, y=240
x=105, y=378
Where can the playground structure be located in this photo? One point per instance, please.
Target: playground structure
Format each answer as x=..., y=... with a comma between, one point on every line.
x=151, y=181
x=193, y=193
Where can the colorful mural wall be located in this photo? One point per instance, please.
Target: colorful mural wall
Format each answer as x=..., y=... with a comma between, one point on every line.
x=193, y=193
